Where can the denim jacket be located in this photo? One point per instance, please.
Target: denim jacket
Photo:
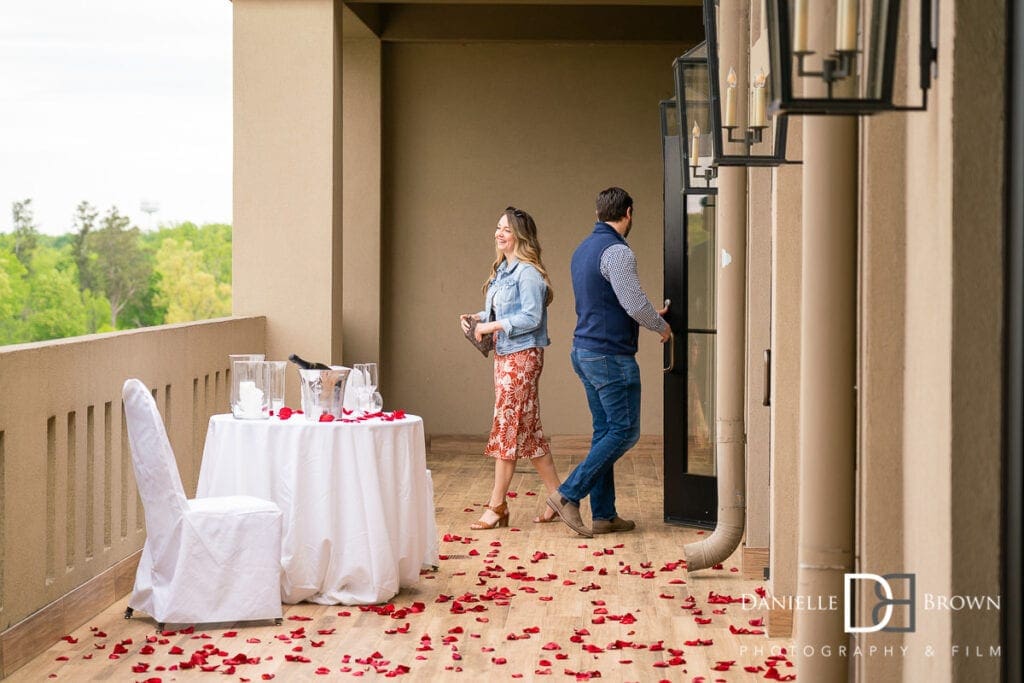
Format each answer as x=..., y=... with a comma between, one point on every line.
x=516, y=295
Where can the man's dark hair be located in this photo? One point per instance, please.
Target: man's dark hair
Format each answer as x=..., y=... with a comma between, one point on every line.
x=612, y=204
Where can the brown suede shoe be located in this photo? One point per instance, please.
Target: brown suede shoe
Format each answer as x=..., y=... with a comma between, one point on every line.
x=616, y=523
x=570, y=514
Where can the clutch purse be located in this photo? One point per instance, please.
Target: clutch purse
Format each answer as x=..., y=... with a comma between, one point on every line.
x=485, y=345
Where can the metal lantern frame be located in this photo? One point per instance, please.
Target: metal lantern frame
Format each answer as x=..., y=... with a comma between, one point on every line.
x=875, y=66
x=670, y=135
x=668, y=126
x=694, y=105
x=751, y=136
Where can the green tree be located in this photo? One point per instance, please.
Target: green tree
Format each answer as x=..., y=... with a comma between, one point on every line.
x=117, y=264
x=212, y=241
x=105, y=274
x=185, y=288
x=142, y=310
x=97, y=312
x=55, y=307
x=84, y=222
x=13, y=298
x=26, y=233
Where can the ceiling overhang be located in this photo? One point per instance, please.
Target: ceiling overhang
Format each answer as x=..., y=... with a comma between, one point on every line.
x=511, y=20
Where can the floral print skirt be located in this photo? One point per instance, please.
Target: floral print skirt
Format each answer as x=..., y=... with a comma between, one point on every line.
x=517, y=432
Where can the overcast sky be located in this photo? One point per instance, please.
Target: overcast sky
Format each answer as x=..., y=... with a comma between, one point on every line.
x=115, y=102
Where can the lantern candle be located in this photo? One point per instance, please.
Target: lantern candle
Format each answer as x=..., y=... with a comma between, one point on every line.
x=730, y=99
x=695, y=145
x=800, y=26
x=760, y=102
x=846, y=25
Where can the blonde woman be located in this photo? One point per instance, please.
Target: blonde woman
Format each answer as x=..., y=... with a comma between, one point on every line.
x=517, y=294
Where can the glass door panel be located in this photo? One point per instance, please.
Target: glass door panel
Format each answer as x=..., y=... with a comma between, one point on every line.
x=689, y=380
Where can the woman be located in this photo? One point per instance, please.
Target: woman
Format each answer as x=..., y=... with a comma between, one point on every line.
x=518, y=292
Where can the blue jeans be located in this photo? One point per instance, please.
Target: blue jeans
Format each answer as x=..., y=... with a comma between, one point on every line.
x=612, y=384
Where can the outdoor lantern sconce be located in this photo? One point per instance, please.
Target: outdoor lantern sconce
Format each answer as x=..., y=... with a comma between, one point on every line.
x=854, y=75
x=694, y=113
x=760, y=139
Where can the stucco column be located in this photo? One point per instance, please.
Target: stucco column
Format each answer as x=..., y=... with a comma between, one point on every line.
x=759, y=311
x=785, y=410
x=361, y=190
x=882, y=307
x=287, y=175
x=828, y=412
x=758, y=334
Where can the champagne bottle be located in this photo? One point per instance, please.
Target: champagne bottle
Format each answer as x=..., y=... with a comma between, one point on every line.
x=306, y=365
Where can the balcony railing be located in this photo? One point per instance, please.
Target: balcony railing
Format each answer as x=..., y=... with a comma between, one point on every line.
x=71, y=523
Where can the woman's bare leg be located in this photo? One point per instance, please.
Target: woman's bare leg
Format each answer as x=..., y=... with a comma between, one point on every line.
x=503, y=471
x=545, y=466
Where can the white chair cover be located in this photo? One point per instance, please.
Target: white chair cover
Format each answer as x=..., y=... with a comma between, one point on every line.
x=205, y=560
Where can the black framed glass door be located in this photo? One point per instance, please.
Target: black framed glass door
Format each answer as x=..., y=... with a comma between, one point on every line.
x=691, y=495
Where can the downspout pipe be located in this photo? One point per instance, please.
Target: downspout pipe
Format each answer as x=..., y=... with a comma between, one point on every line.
x=730, y=428
x=828, y=396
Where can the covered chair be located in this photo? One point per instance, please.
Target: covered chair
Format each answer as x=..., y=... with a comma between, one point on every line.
x=207, y=559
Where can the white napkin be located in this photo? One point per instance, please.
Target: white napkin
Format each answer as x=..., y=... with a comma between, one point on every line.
x=352, y=387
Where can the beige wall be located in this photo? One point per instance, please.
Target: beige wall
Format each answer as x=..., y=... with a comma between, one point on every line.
x=361, y=191
x=880, y=382
x=977, y=230
x=759, y=291
x=952, y=500
x=471, y=128
x=785, y=341
x=882, y=311
x=287, y=190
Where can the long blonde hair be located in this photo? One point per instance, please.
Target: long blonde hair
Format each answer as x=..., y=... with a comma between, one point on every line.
x=527, y=249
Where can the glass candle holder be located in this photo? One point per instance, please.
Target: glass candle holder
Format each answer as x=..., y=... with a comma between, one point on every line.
x=232, y=358
x=250, y=395
x=276, y=383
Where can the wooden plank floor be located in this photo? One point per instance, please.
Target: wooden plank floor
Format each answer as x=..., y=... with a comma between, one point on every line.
x=532, y=602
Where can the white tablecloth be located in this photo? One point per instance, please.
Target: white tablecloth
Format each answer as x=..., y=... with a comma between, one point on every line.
x=357, y=500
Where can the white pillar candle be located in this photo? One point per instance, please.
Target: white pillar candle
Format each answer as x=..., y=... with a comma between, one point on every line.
x=250, y=399
x=695, y=145
x=800, y=26
x=760, y=97
x=846, y=25
x=730, y=98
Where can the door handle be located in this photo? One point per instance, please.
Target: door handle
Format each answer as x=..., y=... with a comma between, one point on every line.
x=671, y=353
x=767, y=399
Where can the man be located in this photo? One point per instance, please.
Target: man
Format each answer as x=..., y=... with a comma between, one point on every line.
x=610, y=307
